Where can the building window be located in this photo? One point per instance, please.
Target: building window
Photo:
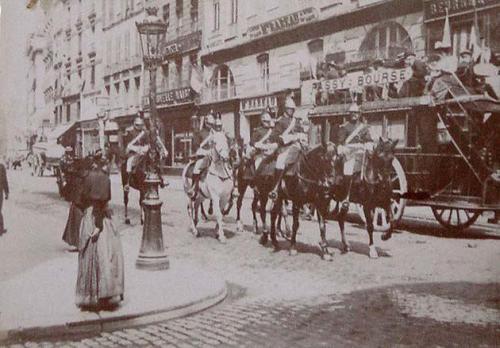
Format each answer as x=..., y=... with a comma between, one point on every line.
x=166, y=14
x=194, y=10
x=78, y=110
x=68, y=112
x=80, y=43
x=92, y=74
x=263, y=62
x=165, y=77
x=137, y=82
x=108, y=90
x=178, y=71
x=234, y=11
x=179, y=8
x=222, y=83
x=216, y=16
x=385, y=41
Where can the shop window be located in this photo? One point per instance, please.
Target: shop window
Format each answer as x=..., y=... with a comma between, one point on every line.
x=222, y=84
x=263, y=62
x=385, y=41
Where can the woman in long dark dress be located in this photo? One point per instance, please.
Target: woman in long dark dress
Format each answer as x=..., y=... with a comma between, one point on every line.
x=100, y=281
x=74, y=194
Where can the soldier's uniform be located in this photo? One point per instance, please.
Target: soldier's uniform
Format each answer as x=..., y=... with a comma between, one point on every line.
x=352, y=137
x=136, y=140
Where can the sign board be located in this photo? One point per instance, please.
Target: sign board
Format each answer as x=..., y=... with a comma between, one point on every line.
x=282, y=23
x=173, y=96
x=182, y=44
x=361, y=79
x=258, y=103
x=437, y=8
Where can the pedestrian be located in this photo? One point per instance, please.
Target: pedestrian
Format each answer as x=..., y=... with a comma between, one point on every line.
x=100, y=279
x=79, y=170
x=4, y=189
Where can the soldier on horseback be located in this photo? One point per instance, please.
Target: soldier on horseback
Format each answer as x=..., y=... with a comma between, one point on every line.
x=138, y=146
x=260, y=145
x=201, y=141
x=353, y=140
x=287, y=134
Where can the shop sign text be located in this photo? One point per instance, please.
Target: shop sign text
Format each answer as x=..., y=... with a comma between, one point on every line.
x=437, y=8
x=258, y=103
x=360, y=79
x=174, y=96
x=182, y=44
x=282, y=23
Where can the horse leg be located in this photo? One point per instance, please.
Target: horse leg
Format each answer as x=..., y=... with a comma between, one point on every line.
x=295, y=228
x=388, y=212
x=218, y=217
x=125, y=203
x=369, y=227
x=241, y=190
x=141, y=200
x=274, y=215
x=255, y=207
x=211, y=208
x=326, y=254
x=195, y=206
x=263, y=213
x=262, y=210
x=341, y=218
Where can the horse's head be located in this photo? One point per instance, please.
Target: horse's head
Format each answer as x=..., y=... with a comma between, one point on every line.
x=321, y=161
x=379, y=163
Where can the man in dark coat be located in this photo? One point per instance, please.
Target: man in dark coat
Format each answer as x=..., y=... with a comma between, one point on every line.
x=414, y=87
x=4, y=189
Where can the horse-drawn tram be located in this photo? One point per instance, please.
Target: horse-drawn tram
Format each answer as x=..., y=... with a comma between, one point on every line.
x=445, y=157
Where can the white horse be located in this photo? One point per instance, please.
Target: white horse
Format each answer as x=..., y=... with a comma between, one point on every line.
x=216, y=185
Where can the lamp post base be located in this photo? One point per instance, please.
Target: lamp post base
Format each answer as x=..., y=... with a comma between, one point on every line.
x=152, y=255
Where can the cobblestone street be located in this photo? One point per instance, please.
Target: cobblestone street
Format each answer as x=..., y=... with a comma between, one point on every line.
x=425, y=290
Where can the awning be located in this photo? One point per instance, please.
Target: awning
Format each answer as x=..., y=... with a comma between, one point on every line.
x=60, y=130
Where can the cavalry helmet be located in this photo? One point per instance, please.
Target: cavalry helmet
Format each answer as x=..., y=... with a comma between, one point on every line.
x=209, y=119
x=265, y=117
x=289, y=103
x=138, y=122
x=218, y=124
x=68, y=149
x=354, y=109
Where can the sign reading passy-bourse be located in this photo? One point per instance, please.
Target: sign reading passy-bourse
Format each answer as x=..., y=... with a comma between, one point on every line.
x=282, y=23
x=437, y=8
x=183, y=44
x=361, y=79
x=173, y=96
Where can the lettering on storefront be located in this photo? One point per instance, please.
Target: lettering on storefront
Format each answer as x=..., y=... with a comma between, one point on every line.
x=174, y=96
x=282, y=23
x=437, y=8
x=182, y=44
x=258, y=103
x=360, y=79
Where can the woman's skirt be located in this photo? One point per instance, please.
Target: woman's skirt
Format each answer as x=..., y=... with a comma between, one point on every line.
x=100, y=280
x=72, y=230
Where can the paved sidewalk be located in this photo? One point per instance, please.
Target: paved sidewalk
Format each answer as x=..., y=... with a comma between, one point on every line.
x=40, y=302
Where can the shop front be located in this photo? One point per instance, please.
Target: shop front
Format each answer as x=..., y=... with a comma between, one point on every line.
x=250, y=110
x=471, y=23
x=175, y=109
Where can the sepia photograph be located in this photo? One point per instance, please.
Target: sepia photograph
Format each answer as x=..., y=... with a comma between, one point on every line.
x=249, y=173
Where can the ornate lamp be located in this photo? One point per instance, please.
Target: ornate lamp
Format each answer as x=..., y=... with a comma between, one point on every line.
x=152, y=255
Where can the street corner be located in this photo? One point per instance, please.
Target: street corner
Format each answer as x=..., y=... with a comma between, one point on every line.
x=40, y=303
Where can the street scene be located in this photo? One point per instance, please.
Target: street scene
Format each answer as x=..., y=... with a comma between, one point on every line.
x=249, y=174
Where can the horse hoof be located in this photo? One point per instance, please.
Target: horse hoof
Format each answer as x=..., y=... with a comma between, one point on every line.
x=373, y=252
x=239, y=227
x=127, y=221
x=276, y=248
x=195, y=232
x=386, y=236
x=222, y=240
x=263, y=240
x=327, y=257
x=346, y=249
x=293, y=252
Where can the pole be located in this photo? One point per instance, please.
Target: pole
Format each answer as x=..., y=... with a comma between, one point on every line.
x=152, y=255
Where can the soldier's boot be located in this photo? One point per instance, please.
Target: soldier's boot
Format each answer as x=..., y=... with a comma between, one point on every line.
x=278, y=175
x=193, y=190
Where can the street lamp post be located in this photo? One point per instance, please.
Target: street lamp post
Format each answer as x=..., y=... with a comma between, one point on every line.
x=152, y=255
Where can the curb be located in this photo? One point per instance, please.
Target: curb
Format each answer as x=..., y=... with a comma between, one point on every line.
x=95, y=327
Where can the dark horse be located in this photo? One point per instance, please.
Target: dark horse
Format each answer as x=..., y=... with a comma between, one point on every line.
x=371, y=188
x=310, y=182
x=136, y=179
